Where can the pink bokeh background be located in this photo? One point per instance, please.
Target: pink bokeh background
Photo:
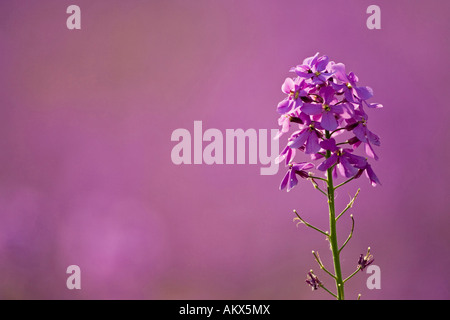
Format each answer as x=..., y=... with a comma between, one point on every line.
x=86, y=176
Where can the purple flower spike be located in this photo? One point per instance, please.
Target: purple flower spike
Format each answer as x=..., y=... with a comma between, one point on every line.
x=324, y=102
x=327, y=108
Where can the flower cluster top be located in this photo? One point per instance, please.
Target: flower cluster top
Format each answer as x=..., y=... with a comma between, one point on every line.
x=322, y=103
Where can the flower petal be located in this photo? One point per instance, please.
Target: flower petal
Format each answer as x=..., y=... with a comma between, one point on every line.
x=329, y=144
x=372, y=177
x=302, y=166
x=285, y=180
x=339, y=72
x=348, y=93
x=346, y=169
x=312, y=144
x=328, y=163
x=288, y=86
x=348, y=110
x=292, y=180
x=282, y=155
x=337, y=109
x=311, y=108
x=327, y=93
x=322, y=63
x=358, y=161
x=364, y=93
x=311, y=60
x=375, y=105
x=328, y=121
x=285, y=106
x=360, y=132
x=298, y=141
x=373, y=138
x=369, y=151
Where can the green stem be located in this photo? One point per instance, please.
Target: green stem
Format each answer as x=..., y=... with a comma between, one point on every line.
x=324, y=288
x=308, y=225
x=350, y=276
x=333, y=234
x=347, y=181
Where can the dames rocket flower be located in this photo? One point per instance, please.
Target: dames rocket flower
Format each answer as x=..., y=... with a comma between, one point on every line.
x=323, y=99
x=324, y=111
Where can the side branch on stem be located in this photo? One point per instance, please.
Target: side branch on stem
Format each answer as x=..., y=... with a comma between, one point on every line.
x=316, y=256
x=349, y=205
x=308, y=225
x=350, y=235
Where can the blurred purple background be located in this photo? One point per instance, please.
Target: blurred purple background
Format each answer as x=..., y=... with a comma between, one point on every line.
x=86, y=176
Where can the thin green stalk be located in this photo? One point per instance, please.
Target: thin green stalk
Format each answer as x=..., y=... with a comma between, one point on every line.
x=316, y=186
x=308, y=224
x=349, y=205
x=324, y=288
x=316, y=256
x=351, y=276
x=345, y=182
x=349, y=236
x=333, y=234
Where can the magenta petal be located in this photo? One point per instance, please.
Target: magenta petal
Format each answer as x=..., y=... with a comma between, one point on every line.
x=358, y=161
x=328, y=94
x=311, y=60
x=348, y=93
x=372, y=177
x=375, y=105
x=364, y=93
x=302, y=166
x=306, y=166
x=339, y=72
x=290, y=155
x=334, y=173
x=285, y=106
x=369, y=151
x=292, y=180
x=328, y=163
x=311, y=108
x=337, y=109
x=285, y=180
x=300, y=139
x=329, y=144
x=288, y=86
x=322, y=63
x=312, y=144
x=328, y=121
x=346, y=169
x=282, y=155
x=352, y=78
x=373, y=138
x=348, y=110
x=360, y=132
